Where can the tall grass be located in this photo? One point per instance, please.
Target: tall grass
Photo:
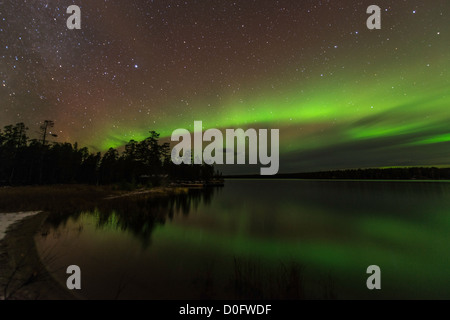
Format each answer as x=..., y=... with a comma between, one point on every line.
x=287, y=281
x=252, y=281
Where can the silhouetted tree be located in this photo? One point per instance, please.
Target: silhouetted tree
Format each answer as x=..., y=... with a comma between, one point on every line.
x=45, y=127
x=24, y=161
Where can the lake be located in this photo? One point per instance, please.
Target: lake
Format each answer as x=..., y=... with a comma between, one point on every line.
x=260, y=239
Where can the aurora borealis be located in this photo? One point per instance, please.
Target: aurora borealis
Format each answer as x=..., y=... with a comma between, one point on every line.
x=342, y=96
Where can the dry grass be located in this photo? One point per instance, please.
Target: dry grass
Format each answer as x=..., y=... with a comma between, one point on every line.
x=58, y=198
x=252, y=281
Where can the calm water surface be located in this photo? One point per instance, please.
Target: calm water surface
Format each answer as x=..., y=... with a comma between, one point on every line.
x=260, y=239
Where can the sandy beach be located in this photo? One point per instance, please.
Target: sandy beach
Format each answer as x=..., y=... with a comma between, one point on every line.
x=8, y=219
x=22, y=275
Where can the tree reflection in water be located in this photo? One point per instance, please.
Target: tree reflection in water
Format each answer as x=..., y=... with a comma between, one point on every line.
x=138, y=214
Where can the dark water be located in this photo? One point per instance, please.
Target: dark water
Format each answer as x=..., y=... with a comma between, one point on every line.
x=261, y=239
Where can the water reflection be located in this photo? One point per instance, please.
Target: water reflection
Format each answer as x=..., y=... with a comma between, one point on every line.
x=261, y=239
x=140, y=214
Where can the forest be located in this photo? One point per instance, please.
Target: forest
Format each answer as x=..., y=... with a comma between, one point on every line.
x=25, y=161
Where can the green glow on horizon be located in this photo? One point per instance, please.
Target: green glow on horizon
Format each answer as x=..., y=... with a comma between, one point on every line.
x=337, y=110
x=434, y=139
x=307, y=109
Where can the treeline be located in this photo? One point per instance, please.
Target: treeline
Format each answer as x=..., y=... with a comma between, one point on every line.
x=25, y=161
x=412, y=173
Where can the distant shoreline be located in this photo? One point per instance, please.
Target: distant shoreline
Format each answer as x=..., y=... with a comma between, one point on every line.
x=385, y=174
x=338, y=180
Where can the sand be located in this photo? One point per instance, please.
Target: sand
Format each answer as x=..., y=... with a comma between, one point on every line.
x=22, y=274
x=7, y=219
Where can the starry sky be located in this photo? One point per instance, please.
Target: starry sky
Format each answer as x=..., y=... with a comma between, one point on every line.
x=342, y=96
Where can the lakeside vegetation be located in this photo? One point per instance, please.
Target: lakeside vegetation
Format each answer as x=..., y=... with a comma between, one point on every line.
x=25, y=161
x=54, y=198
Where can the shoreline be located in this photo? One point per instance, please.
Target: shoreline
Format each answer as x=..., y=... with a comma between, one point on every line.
x=21, y=271
x=9, y=219
x=340, y=180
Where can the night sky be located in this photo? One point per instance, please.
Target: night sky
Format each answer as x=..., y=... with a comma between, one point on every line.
x=342, y=96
